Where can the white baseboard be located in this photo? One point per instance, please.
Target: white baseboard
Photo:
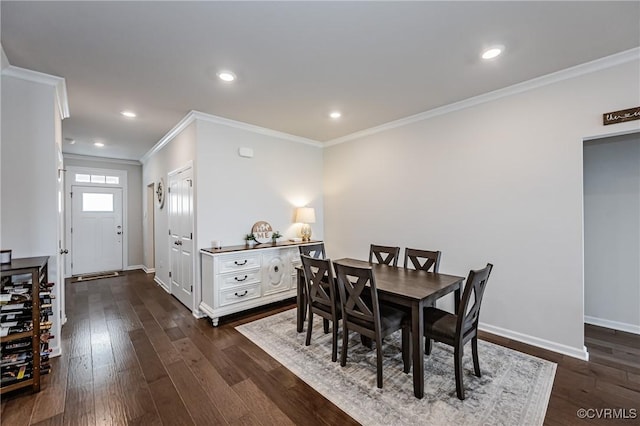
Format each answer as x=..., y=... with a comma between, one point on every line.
x=535, y=341
x=148, y=270
x=198, y=314
x=615, y=325
x=55, y=352
x=134, y=267
x=161, y=284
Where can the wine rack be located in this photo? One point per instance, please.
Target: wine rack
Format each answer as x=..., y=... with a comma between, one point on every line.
x=25, y=315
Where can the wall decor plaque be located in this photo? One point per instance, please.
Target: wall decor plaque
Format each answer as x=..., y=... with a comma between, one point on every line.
x=621, y=116
x=262, y=231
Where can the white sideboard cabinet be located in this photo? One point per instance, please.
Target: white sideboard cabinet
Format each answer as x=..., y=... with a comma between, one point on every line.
x=238, y=278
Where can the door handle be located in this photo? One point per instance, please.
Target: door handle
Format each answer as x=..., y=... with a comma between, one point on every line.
x=119, y=233
x=64, y=251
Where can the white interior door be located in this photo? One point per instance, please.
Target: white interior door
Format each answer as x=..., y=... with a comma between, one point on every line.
x=96, y=229
x=181, y=235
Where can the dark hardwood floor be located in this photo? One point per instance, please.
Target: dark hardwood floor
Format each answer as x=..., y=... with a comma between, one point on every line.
x=132, y=354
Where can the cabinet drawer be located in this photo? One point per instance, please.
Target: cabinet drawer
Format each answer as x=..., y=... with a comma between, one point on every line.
x=238, y=262
x=238, y=295
x=238, y=278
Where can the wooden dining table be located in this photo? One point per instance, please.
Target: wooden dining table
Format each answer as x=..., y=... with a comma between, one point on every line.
x=406, y=287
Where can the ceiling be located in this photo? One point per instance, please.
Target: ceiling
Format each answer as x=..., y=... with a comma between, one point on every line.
x=295, y=61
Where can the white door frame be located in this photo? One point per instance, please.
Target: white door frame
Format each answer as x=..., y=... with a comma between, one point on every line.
x=196, y=254
x=70, y=180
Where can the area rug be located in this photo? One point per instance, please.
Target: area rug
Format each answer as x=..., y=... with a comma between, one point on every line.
x=514, y=388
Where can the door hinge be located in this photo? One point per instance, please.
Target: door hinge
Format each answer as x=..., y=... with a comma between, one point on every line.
x=191, y=236
x=72, y=229
x=71, y=265
x=190, y=183
x=169, y=189
x=71, y=194
x=191, y=289
x=169, y=274
x=169, y=231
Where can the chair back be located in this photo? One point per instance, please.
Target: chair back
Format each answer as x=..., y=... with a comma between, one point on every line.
x=313, y=250
x=422, y=259
x=358, y=296
x=385, y=255
x=468, y=315
x=319, y=283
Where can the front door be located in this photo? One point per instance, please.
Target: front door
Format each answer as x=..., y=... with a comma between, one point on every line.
x=96, y=229
x=181, y=235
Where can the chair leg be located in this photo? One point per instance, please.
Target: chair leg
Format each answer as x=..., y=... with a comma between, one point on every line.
x=474, y=351
x=366, y=341
x=345, y=342
x=334, y=342
x=458, y=368
x=379, y=361
x=325, y=325
x=309, y=327
x=406, y=349
x=427, y=346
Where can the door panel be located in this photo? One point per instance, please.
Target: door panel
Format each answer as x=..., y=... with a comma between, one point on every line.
x=181, y=236
x=96, y=230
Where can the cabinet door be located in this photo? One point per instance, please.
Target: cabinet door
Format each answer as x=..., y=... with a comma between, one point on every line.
x=276, y=274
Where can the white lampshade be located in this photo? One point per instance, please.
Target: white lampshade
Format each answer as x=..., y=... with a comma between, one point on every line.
x=305, y=215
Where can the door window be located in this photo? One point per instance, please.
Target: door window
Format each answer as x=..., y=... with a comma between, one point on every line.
x=97, y=202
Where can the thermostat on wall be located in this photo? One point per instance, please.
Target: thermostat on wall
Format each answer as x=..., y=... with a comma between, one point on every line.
x=245, y=152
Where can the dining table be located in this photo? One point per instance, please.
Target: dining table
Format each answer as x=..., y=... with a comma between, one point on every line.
x=410, y=288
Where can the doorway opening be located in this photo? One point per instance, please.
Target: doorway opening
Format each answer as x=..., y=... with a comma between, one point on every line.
x=611, y=184
x=96, y=220
x=149, y=229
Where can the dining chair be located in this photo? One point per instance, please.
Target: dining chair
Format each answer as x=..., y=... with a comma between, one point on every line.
x=321, y=298
x=422, y=259
x=362, y=313
x=385, y=255
x=313, y=250
x=457, y=330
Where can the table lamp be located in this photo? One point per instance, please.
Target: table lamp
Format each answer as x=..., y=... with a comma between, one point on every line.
x=305, y=215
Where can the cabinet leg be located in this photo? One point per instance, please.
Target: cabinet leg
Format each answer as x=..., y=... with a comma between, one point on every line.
x=214, y=321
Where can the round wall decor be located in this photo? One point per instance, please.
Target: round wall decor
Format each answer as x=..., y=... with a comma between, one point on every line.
x=160, y=192
x=262, y=231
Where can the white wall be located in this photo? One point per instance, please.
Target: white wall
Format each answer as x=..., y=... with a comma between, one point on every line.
x=134, y=202
x=234, y=192
x=179, y=151
x=612, y=232
x=497, y=182
x=28, y=177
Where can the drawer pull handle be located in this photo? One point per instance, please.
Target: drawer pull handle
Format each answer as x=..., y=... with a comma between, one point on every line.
x=240, y=279
x=243, y=294
x=240, y=264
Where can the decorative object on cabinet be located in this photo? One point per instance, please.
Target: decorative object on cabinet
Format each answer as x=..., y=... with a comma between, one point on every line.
x=275, y=236
x=249, y=239
x=5, y=257
x=160, y=192
x=26, y=323
x=305, y=215
x=262, y=231
x=238, y=278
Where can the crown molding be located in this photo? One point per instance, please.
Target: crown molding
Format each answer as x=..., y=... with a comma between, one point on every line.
x=568, y=73
x=197, y=115
x=255, y=129
x=58, y=83
x=100, y=159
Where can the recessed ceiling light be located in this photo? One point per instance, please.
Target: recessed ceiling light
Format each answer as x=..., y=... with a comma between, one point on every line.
x=492, y=52
x=227, y=76
x=98, y=144
x=128, y=114
x=335, y=114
